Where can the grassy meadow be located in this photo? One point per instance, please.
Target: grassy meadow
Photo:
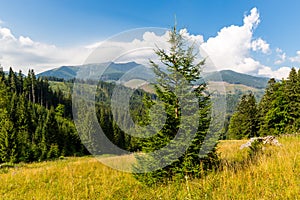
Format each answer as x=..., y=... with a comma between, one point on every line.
x=275, y=174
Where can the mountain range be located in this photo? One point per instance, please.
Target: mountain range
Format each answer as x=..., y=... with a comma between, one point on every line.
x=115, y=71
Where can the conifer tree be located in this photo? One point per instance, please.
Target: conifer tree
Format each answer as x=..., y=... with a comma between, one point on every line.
x=20, y=82
x=282, y=102
x=175, y=94
x=2, y=74
x=8, y=136
x=266, y=104
x=292, y=93
x=51, y=128
x=12, y=80
x=28, y=130
x=8, y=141
x=244, y=122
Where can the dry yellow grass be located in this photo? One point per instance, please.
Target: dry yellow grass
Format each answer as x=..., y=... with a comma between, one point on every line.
x=273, y=175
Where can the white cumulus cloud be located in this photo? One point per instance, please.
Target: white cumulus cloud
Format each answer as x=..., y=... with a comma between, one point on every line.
x=26, y=41
x=190, y=37
x=231, y=48
x=5, y=33
x=139, y=50
x=252, y=20
x=281, y=56
x=129, y=48
x=260, y=45
x=280, y=73
x=296, y=58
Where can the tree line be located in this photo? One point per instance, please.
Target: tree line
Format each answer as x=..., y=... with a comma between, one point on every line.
x=35, y=122
x=278, y=112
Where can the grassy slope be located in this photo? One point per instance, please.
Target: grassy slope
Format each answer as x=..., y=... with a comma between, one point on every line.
x=232, y=88
x=274, y=175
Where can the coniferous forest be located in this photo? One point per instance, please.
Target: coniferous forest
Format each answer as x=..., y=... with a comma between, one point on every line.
x=36, y=121
x=275, y=114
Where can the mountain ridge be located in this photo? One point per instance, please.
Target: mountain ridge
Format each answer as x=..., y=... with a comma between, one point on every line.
x=233, y=77
x=116, y=70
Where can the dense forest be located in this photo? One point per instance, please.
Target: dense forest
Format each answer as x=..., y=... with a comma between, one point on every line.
x=276, y=113
x=36, y=120
x=115, y=120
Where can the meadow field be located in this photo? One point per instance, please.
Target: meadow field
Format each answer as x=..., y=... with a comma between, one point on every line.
x=274, y=174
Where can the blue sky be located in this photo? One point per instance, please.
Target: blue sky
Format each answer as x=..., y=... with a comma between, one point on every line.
x=68, y=26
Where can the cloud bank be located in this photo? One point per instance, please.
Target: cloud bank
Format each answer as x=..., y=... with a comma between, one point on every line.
x=24, y=53
x=232, y=46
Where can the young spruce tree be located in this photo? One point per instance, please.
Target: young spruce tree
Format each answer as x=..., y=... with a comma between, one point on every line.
x=187, y=117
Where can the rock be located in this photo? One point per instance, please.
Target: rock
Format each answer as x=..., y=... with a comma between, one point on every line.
x=271, y=140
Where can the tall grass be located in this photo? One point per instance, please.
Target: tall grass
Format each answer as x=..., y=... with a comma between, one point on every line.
x=275, y=174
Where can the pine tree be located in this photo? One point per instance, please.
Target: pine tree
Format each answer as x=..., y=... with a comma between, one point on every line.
x=244, y=122
x=186, y=117
x=265, y=105
x=87, y=128
x=279, y=112
x=20, y=82
x=2, y=74
x=33, y=85
x=12, y=80
x=22, y=127
x=8, y=134
x=292, y=93
x=50, y=129
x=8, y=141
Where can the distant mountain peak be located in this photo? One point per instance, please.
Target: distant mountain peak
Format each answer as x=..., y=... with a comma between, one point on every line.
x=116, y=70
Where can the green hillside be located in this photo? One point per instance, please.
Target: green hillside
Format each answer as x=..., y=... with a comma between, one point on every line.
x=113, y=72
x=233, y=77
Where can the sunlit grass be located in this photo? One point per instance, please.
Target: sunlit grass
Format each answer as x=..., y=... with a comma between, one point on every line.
x=273, y=175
